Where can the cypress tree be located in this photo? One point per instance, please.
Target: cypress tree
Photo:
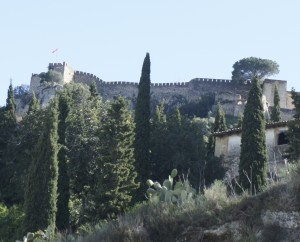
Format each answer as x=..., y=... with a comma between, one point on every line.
x=93, y=90
x=159, y=145
x=8, y=125
x=142, y=130
x=63, y=214
x=218, y=126
x=34, y=104
x=294, y=128
x=41, y=192
x=253, y=157
x=117, y=183
x=220, y=120
x=275, y=115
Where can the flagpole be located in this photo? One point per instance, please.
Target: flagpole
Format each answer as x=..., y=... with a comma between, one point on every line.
x=55, y=52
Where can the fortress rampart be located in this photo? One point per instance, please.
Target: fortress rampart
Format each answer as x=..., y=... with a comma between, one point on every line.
x=173, y=92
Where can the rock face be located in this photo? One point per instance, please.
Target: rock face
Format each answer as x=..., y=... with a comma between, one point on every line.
x=232, y=96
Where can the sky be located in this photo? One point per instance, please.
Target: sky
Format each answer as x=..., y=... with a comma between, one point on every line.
x=185, y=39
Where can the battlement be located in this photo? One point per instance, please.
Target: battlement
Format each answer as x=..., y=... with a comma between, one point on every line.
x=121, y=83
x=211, y=80
x=169, y=91
x=53, y=65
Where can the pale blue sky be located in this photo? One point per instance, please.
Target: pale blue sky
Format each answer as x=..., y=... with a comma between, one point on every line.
x=185, y=39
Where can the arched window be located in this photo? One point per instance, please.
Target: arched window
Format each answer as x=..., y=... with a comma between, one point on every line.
x=282, y=138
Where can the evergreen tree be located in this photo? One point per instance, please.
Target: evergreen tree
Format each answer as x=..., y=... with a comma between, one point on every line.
x=253, y=157
x=34, y=104
x=82, y=142
x=18, y=154
x=8, y=124
x=159, y=145
x=220, y=120
x=294, y=128
x=63, y=214
x=93, y=90
x=218, y=126
x=117, y=180
x=41, y=192
x=142, y=130
x=275, y=115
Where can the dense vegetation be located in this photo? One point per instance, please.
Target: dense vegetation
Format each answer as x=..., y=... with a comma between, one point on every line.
x=80, y=162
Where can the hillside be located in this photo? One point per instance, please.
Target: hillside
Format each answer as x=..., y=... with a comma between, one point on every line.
x=213, y=217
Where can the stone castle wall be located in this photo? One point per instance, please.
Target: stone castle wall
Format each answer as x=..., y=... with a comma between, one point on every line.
x=232, y=96
x=269, y=89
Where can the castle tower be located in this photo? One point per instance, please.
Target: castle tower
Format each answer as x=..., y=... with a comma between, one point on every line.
x=269, y=89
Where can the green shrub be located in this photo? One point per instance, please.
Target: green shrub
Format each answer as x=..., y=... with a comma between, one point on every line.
x=11, y=220
x=216, y=195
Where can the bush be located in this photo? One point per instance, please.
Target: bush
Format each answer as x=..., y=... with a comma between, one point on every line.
x=216, y=195
x=11, y=220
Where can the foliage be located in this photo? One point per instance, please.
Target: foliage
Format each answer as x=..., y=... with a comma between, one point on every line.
x=248, y=68
x=142, y=122
x=20, y=91
x=216, y=195
x=199, y=108
x=38, y=236
x=11, y=220
x=34, y=104
x=83, y=146
x=63, y=187
x=178, y=193
x=8, y=124
x=253, y=157
x=214, y=169
x=294, y=128
x=220, y=120
x=275, y=114
x=51, y=76
x=116, y=183
x=41, y=191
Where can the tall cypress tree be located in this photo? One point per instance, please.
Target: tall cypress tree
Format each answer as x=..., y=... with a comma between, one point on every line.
x=159, y=145
x=142, y=121
x=117, y=183
x=8, y=124
x=220, y=120
x=34, y=104
x=275, y=115
x=41, y=193
x=63, y=214
x=294, y=128
x=253, y=157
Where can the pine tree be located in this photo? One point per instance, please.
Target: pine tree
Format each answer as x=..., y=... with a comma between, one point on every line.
x=220, y=120
x=117, y=183
x=63, y=214
x=142, y=130
x=275, y=115
x=253, y=157
x=41, y=193
x=294, y=128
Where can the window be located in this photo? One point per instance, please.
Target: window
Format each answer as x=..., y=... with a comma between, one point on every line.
x=282, y=138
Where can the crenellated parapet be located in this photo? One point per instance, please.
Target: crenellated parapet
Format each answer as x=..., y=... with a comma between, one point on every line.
x=172, y=92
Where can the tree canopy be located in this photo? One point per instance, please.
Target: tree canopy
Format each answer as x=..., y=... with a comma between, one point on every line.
x=247, y=68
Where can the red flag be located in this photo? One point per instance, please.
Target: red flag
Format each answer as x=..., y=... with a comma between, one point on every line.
x=55, y=50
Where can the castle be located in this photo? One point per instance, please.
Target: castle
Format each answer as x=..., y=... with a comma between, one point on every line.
x=233, y=96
